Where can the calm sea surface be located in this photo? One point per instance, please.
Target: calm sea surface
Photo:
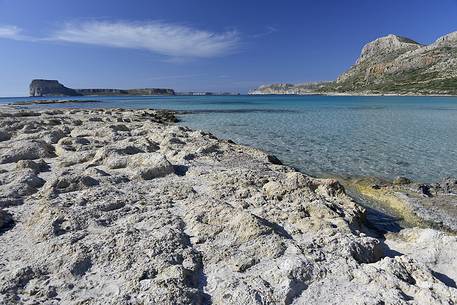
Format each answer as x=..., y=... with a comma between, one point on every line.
x=322, y=136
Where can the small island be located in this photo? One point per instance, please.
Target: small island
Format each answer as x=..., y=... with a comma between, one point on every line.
x=44, y=87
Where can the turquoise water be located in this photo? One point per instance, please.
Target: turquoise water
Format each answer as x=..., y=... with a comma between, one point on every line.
x=355, y=136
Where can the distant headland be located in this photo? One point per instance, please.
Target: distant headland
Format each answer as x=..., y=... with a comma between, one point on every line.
x=44, y=87
x=391, y=65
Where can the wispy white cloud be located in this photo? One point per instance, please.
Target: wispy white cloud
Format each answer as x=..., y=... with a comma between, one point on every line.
x=10, y=31
x=268, y=31
x=179, y=76
x=178, y=42
x=162, y=38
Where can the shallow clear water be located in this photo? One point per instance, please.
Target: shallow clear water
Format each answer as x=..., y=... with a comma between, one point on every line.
x=320, y=135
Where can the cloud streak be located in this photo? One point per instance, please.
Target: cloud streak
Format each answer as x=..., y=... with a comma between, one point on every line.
x=175, y=41
x=162, y=38
x=166, y=77
x=9, y=31
x=268, y=31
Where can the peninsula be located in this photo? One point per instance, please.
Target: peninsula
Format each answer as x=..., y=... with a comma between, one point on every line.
x=392, y=65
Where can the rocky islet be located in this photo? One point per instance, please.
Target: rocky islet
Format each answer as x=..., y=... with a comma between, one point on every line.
x=46, y=87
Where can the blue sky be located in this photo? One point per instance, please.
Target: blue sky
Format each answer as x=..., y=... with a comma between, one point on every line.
x=210, y=45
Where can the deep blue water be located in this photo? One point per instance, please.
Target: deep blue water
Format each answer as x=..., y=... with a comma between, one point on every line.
x=320, y=135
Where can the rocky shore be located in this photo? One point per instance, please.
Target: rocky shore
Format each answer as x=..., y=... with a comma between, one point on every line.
x=52, y=102
x=124, y=207
x=419, y=204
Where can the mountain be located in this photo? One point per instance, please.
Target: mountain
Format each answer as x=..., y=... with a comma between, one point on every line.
x=396, y=65
x=43, y=87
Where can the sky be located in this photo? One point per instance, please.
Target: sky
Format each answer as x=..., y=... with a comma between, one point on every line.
x=200, y=45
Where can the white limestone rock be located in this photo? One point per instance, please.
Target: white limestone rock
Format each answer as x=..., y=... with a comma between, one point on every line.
x=152, y=213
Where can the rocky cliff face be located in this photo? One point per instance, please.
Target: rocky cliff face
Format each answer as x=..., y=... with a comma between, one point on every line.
x=388, y=46
x=42, y=87
x=395, y=65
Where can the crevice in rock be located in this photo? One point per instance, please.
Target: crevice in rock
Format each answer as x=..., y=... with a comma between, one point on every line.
x=199, y=275
x=277, y=228
x=180, y=170
x=296, y=289
x=444, y=279
x=201, y=284
x=81, y=266
x=6, y=221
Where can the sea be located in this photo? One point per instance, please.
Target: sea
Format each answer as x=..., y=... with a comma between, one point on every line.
x=322, y=136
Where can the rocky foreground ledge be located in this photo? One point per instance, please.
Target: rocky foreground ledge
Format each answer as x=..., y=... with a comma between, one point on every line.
x=123, y=207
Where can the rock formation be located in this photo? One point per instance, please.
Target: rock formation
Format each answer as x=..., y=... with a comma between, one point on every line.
x=41, y=87
x=123, y=207
x=430, y=247
x=395, y=65
x=290, y=89
x=52, y=102
x=419, y=204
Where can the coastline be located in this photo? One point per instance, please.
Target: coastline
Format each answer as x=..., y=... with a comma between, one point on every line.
x=357, y=94
x=123, y=202
x=61, y=98
x=396, y=201
x=51, y=102
x=424, y=205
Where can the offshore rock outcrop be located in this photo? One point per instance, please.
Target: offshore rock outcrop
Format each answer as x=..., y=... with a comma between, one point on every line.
x=392, y=65
x=42, y=87
x=123, y=207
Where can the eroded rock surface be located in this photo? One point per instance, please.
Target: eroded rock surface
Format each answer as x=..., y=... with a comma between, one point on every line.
x=419, y=204
x=124, y=207
x=434, y=248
